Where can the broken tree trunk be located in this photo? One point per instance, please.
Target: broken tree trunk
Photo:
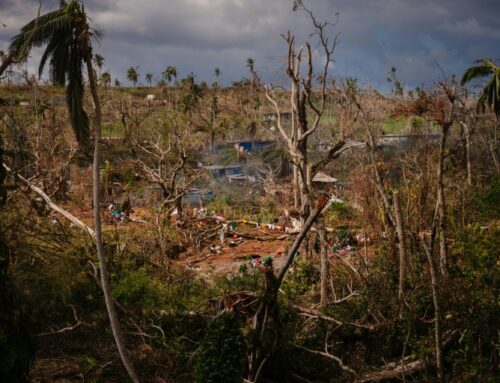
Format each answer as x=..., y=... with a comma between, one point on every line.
x=324, y=279
x=266, y=320
x=52, y=205
x=468, y=154
x=395, y=370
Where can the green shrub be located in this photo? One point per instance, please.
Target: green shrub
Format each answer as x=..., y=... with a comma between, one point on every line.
x=221, y=358
x=488, y=202
x=17, y=349
x=135, y=288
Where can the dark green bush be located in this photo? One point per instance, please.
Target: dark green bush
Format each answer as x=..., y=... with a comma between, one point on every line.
x=17, y=349
x=221, y=358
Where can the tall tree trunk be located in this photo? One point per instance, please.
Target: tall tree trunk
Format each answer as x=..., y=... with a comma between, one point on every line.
x=437, y=310
x=402, y=248
x=324, y=263
x=467, y=153
x=295, y=186
x=441, y=202
x=267, y=338
x=106, y=287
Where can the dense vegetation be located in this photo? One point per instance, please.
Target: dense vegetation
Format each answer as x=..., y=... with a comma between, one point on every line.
x=392, y=274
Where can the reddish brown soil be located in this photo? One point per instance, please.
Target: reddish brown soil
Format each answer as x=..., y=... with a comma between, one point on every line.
x=229, y=259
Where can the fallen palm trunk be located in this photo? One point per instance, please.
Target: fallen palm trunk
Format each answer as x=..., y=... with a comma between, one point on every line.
x=395, y=370
x=406, y=366
x=52, y=205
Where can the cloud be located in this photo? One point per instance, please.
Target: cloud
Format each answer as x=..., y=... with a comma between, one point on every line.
x=199, y=35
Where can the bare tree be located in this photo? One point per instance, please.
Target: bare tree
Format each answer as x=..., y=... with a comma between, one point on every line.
x=166, y=166
x=445, y=116
x=304, y=99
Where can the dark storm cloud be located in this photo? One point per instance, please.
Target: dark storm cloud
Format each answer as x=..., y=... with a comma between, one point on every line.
x=199, y=35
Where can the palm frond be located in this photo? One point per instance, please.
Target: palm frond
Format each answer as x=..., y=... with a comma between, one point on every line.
x=476, y=72
x=59, y=64
x=74, y=98
x=40, y=30
x=58, y=49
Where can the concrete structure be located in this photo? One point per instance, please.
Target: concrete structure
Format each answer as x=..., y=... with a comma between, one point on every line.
x=220, y=171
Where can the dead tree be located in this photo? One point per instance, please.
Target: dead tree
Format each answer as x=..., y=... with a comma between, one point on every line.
x=325, y=266
x=445, y=117
x=305, y=99
x=166, y=166
x=468, y=121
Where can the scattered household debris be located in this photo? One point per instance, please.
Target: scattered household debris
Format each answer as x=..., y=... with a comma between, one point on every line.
x=120, y=212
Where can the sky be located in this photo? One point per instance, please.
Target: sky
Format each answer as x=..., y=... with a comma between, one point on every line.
x=199, y=35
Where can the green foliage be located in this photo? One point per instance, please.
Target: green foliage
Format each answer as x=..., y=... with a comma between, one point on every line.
x=17, y=349
x=395, y=125
x=339, y=211
x=247, y=280
x=219, y=204
x=488, y=202
x=133, y=74
x=306, y=274
x=135, y=288
x=476, y=253
x=221, y=358
x=490, y=95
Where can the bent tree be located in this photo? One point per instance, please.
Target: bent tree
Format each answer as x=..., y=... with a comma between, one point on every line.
x=67, y=37
x=490, y=96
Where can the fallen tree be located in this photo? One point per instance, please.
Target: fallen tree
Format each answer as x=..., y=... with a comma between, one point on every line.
x=52, y=205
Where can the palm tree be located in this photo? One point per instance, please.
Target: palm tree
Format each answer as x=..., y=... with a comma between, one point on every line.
x=98, y=61
x=250, y=64
x=490, y=95
x=67, y=35
x=66, y=55
x=149, y=78
x=169, y=73
x=133, y=74
x=106, y=79
x=217, y=73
